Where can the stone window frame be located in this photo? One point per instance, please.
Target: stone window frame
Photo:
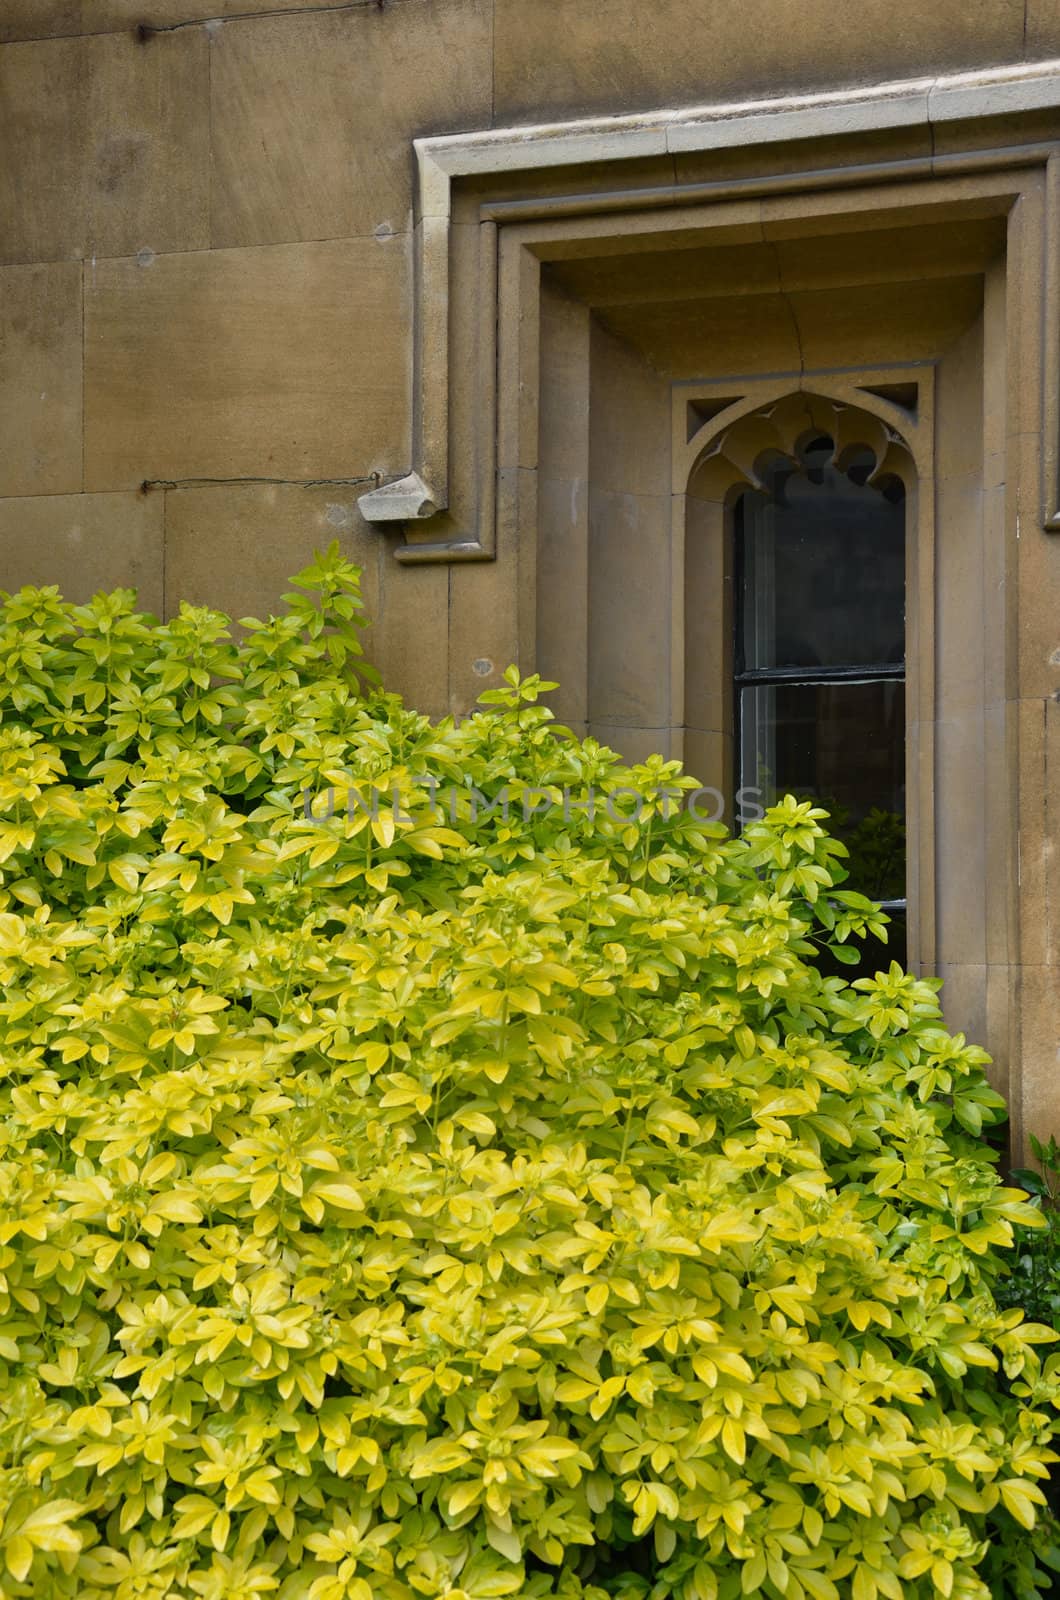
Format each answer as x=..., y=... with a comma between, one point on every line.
x=495, y=208
x=471, y=298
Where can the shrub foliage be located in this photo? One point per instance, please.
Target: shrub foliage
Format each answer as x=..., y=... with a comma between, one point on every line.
x=414, y=1202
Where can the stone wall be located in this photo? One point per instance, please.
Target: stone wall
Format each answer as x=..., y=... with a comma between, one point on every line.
x=206, y=263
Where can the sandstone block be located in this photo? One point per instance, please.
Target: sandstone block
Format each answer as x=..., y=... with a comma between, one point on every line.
x=84, y=543
x=603, y=55
x=236, y=546
x=112, y=146
x=287, y=362
x=40, y=378
x=313, y=117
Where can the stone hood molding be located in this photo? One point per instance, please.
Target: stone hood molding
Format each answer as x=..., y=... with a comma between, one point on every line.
x=475, y=305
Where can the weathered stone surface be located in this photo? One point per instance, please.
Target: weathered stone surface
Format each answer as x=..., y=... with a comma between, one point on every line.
x=621, y=55
x=629, y=609
x=959, y=639
x=629, y=421
x=737, y=333
x=84, y=543
x=39, y=19
x=411, y=642
x=563, y=593
x=1050, y=826
x=801, y=154
x=960, y=840
x=313, y=117
x=560, y=550
x=706, y=623
x=1037, y=800
x=1025, y=336
x=237, y=545
x=870, y=325
x=1039, y=614
x=43, y=115
x=112, y=146
x=1037, y=1082
x=708, y=756
x=694, y=272
x=1002, y=753
x=287, y=362
x=112, y=14
x=964, y=998
x=47, y=19
x=564, y=371
x=482, y=627
x=147, y=145
x=33, y=19
x=1043, y=29
x=40, y=379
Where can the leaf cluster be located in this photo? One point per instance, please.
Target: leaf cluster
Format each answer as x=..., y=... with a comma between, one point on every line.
x=402, y=1200
x=1034, y=1281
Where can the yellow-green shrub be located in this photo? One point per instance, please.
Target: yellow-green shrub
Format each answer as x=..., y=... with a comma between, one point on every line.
x=422, y=1205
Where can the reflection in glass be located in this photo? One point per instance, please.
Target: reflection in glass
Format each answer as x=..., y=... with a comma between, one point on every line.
x=823, y=573
x=820, y=660
x=841, y=743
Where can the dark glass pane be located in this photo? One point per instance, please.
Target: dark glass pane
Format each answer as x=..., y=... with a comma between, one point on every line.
x=820, y=563
x=843, y=745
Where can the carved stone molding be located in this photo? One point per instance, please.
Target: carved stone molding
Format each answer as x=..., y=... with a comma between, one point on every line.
x=448, y=502
x=726, y=453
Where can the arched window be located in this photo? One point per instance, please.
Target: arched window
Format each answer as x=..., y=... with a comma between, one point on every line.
x=819, y=654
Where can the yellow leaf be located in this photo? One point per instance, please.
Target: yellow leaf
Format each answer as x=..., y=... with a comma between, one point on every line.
x=573, y=1389
x=341, y=1195
x=733, y=1439
x=596, y=1299
x=1021, y=1497
x=18, y=1554
x=440, y=1455
x=123, y=875
x=463, y=1496
x=175, y=1208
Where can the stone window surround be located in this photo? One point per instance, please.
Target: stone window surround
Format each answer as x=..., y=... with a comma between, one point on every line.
x=495, y=207
x=454, y=480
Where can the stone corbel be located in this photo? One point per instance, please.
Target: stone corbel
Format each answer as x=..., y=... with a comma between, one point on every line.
x=405, y=500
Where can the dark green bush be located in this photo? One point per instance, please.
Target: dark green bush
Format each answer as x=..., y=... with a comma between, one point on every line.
x=1033, y=1280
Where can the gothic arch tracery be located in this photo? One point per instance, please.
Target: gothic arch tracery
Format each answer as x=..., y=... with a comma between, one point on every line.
x=729, y=453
